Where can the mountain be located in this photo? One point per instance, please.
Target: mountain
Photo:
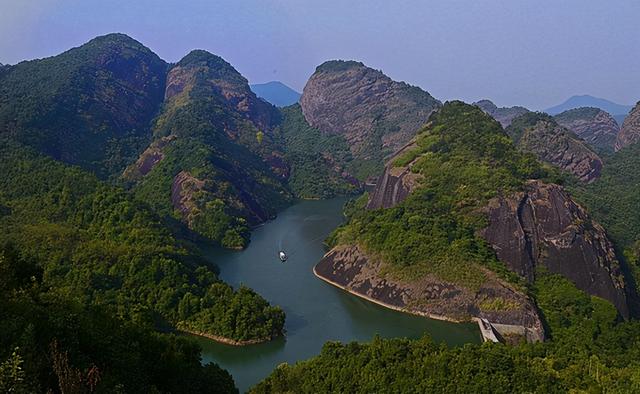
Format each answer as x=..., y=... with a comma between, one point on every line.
x=374, y=114
x=597, y=127
x=504, y=115
x=460, y=221
x=630, y=130
x=319, y=162
x=90, y=106
x=589, y=101
x=276, y=93
x=540, y=134
x=213, y=159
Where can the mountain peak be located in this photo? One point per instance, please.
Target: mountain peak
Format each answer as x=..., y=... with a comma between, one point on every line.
x=338, y=65
x=586, y=100
x=276, y=93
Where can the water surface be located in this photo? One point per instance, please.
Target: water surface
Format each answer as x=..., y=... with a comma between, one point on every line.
x=316, y=311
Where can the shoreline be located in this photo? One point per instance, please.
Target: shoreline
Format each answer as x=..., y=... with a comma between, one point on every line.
x=389, y=306
x=224, y=340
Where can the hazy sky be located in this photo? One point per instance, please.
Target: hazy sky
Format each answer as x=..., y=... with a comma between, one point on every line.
x=531, y=53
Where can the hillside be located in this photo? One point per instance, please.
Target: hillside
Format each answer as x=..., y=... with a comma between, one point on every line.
x=430, y=250
x=541, y=135
x=598, y=128
x=318, y=161
x=213, y=162
x=276, y=93
x=374, y=114
x=90, y=106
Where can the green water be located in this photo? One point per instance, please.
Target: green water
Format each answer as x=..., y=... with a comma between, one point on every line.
x=316, y=311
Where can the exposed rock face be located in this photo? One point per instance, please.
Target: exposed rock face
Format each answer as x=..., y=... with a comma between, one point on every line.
x=375, y=114
x=183, y=191
x=540, y=134
x=504, y=115
x=202, y=73
x=148, y=159
x=352, y=269
x=597, y=127
x=543, y=226
x=395, y=184
x=630, y=130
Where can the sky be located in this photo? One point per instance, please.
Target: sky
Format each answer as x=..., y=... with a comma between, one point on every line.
x=515, y=52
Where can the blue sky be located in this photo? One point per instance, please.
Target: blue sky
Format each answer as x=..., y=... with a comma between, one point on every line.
x=531, y=53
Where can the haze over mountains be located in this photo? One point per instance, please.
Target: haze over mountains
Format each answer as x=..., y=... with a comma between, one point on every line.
x=117, y=165
x=618, y=111
x=277, y=93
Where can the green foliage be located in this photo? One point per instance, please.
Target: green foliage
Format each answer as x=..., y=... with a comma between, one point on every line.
x=464, y=159
x=51, y=342
x=614, y=198
x=313, y=157
x=97, y=245
x=89, y=106
x=226, y=154
x=588, y=352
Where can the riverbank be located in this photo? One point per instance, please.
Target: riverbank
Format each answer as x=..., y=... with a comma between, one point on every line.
x=225, y=340
x=390, y=306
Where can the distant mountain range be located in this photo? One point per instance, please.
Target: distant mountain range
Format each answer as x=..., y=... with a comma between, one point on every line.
x=276, y=93
x=618, y=111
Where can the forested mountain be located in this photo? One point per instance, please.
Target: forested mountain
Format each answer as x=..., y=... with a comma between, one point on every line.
x=426, y=241
x=213, y=160
x=373, y=113
x=90, y=106
x=461, y=189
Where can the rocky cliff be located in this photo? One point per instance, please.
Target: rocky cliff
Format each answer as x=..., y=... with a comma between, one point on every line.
x=375, y=114
x=396, y=182
x=597, y=127
x=630, y=130
x=543, y=227
x=350, y=268
x=504, y=115
x=541, y=135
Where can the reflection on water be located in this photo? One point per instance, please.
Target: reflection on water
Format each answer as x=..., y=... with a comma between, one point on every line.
x=316, y=311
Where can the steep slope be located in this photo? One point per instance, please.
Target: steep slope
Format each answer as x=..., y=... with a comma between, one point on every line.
x=614, y=200
x=429, y=249
x=100, y=246
x=504, y=115
x=541, y=135
x=90, y=106
x=318, y=161
x=589, y=101
x=630, y=130
x=276, y=93
x=375, y=114
x=597, y=127
x=213, y=162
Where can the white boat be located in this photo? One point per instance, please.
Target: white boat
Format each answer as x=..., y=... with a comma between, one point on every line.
x=283, y=256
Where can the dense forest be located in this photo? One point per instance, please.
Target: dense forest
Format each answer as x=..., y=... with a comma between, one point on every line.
x=316, y=159
x=589, y=351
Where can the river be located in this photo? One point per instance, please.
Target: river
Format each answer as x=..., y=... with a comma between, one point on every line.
x=316, y=311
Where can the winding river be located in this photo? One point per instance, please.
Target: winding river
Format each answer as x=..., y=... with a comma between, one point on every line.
x=316, y=311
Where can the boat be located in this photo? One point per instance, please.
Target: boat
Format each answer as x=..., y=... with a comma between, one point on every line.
x=283, y=256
